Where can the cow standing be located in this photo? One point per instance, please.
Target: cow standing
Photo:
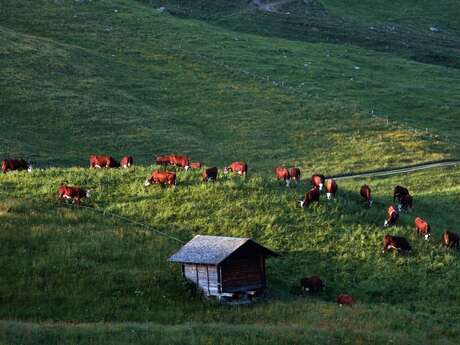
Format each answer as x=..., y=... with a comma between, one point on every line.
x=181, y=161
x=392, y=216
x=450, y=239
x=345, y=300
x=366, y=193
x=311, y=196
x=72, y=193
x=295, y=174
x=162, y=178
x=317, y=180
x=102, y=162
x=399, y=192
x=126, y=162
x=241, y=168
x=396, y=242
x=15, y=164
x=331, y=189
x=312, y=284
x=162, y=160
x=283, y=174
x=422, y=227
x=210, y=174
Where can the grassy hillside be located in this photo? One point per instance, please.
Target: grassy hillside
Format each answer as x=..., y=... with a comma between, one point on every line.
x=61, y=263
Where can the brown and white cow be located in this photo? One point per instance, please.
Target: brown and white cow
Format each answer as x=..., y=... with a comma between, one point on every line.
x=366, y=193
x=312, y=284
x=72, y=193
x=331, y=189
x=450, y=239
x=180, y=160
x=344, y=299
x=398, y=192
x=126, y=162
x=405, y=202
x=195, y=165
x=241, y=168
x=162, y=178
x=210, y=174
x=392, y=216
x=282, y=174
x=311, y=196
x=295, y=174
x=422, y=227
x=102, y=162
x=395, y=242
x=317, y=180
x=15, y=164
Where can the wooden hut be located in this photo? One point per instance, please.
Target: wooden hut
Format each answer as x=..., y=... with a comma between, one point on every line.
x=224, y=266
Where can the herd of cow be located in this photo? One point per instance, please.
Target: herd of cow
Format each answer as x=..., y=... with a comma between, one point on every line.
x=317, y=181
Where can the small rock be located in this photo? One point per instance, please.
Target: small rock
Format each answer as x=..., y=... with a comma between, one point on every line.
x=357, y=67
x=116, y=11
x=434, y=28
x=161, y=9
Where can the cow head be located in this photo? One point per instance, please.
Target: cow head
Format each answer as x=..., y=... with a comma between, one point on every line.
x=187, y=167
x=29, y=167
x=302, y=203
x=147, y=182
x=427, y=236
x=88, y=193
x=386, y=224
x=370, y=202
x=227, y=170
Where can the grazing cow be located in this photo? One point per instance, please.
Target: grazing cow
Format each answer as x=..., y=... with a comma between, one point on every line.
x=161, y=177
x=317, y=181
x=195, y=165
x=210, y=174
x=422, y=227
x=399, y=192
x=366, y=194
x=312, y=195
x=405, y=203
x=162, y=160
x=392, y=216
x=241, y=168
x=450, y=239
x=295, y=174
x=312, y=284
x=102, y=162
x=15, y=164
x=283, y=174
x=345, y=300
x=396, y=242
x=181, y=161
x=126, y=162
x=72, y=193
x=331, y=189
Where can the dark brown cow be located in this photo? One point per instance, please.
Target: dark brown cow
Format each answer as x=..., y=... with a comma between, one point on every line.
x=405, y=203
x=162, y=160
x=126, y=162
x=72, y=193
x=15, y=164
x=366, y=194
x=345, y=300
x=283, y=174
x=312, y=196
x=317, y=180
x=210, y=174
x=102, y=162
x=241, y=168
x=312, y=284
x=295, y=174
x=399, y=192
x=181, y=161
x=450, y=239
x=422, y=227
x=396, y=242
x=331, y=189
x=161, y=177
x=195, y=165
x=392, y=216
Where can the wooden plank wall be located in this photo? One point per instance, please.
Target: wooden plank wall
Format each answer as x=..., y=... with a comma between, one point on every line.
x=205, y=275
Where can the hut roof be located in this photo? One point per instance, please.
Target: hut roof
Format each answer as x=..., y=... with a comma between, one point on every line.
x=212, y=250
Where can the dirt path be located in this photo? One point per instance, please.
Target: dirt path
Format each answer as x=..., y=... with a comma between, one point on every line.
x=269, y=7
x=386, y=172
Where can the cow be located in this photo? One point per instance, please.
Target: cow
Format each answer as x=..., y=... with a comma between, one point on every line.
x=422, y=227
x=181, y=161
x=283, y=174
x=15, y=164
x=311, y=196
x=72, y=193
x=162, y=160
x=195, y=165
x=331, y=189
x=317, y=181
x=392, y=216
x=312, y=284
x=366, y=193
x=345, y=300
x=399, y=192
x=210, y=174
x=450, y=239
x=126, y=162
x=241, y=168
x=405, y=203
x=295, y=174
x=162, y=178
x=396, y=242
x=102, y=162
